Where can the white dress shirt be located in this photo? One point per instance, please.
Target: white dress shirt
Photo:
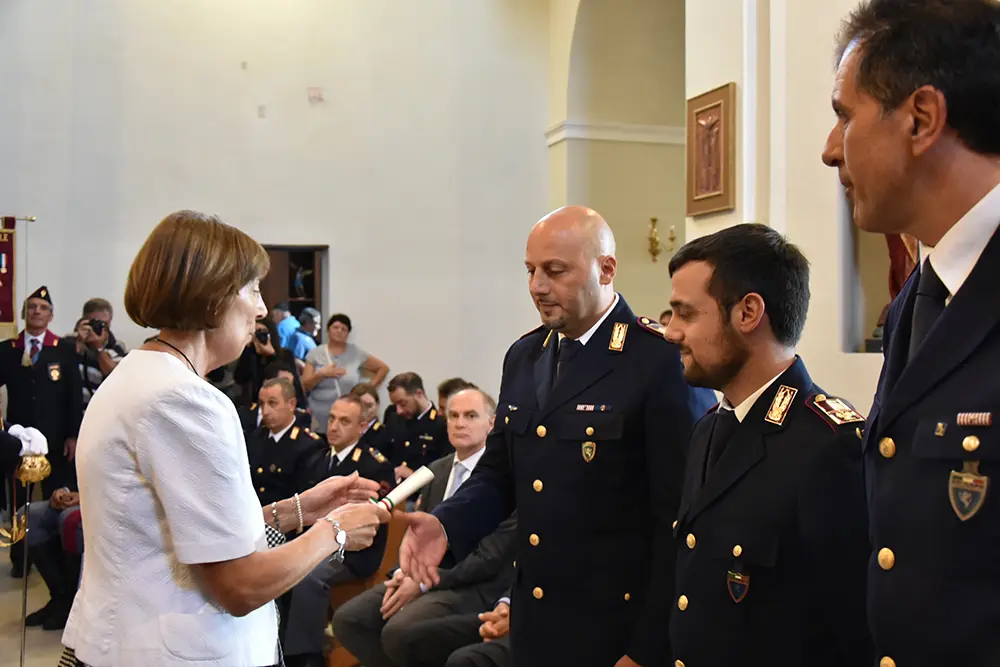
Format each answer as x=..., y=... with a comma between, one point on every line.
x=281, y=434
x=164, y=485
x=345, y=452
x=956, y=254
x=467, y=466
x=743, y=409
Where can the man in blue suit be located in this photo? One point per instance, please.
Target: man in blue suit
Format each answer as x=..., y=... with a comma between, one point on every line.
x=589, y=445
x=916, y=143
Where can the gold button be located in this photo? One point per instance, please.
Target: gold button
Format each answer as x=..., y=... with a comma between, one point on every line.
x=406, y=444
x=262, y=489
x=541, y=431
x=820, y=398
x=682, y=602
x=887, y=447
x=691, y=541
x=737, y=551
x=971, y=443
x=678, y=663
x=515, y=565
x=404, y=464
x=674, y=524
x=886, y=559
x=886, y=662
x=537, y=486
x=279, y=469
x=534, y=540
x=506, y=420
x=590, y=430
x=627, y=597
x=260, y=470
x=538, y=593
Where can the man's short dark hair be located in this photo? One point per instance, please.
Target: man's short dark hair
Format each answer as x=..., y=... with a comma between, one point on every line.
x=97, y=306
x=952, y=45
x=754, y=258
x=366, y=389
x=273, y=369
x=409, y=382
x=309, y=316
x=665, y=313
x=287, y=388
x=452, y=386
x=353, y=400
x=282, y=307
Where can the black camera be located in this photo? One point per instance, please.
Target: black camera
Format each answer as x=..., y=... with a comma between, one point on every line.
x=263, y=336
x=97, y=326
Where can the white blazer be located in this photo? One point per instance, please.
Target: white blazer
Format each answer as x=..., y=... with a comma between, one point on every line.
x=164, y=484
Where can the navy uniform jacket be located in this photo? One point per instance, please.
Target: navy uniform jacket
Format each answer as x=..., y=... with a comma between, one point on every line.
x=370, y=464
x=276, y=467
x=249, y=414
x=595, y=474
x=772, y=547
x=47, y=395
x=377, y=436
x=418, y=441
x=935, y=518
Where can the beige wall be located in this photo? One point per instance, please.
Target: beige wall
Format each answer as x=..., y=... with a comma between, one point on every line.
x=423, y=170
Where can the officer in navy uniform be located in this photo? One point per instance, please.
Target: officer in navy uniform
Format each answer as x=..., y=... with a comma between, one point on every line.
x=44, y=387
x=375, y=433
x=419, y=431
x=308, y=602
x=279, y=450
x=771, y=536
x=589, y=447
x=250, y=416
x=931, y=451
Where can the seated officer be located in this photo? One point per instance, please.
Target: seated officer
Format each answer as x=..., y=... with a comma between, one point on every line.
x=280, y=448
x=771, y=532
x=303, y=635
x=419, y=432
x=250, y=416
x=374, y=434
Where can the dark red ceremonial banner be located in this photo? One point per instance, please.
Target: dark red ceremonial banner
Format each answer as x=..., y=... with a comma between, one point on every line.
x=8, y=312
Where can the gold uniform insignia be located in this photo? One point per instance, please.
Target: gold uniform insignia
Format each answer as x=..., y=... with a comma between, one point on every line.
x=967, y=490
x=312, y=435
x=356, y=456
x=377, y=455
x=837, y=410
x=545, y=343
x=589, y=451
x=653, y=327
x=54, y=372
x=780, y=405
x=295, y=432
x=618, y=337
x=434, y=414
x=377, y=426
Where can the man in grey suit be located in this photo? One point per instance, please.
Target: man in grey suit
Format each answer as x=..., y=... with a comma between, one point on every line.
x=378, y=626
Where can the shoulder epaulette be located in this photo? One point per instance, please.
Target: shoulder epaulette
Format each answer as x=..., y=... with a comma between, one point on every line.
x=834, y=411
x=652, y=326
x=377, y=455
x=376, y=426
x=295, y=432
x=312, y=435
x=434, y=414
x=253, y=406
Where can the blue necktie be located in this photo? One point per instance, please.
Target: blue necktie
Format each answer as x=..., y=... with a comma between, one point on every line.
x=35, y=349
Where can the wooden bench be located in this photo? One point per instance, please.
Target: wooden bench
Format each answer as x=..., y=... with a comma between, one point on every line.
x=341, y=593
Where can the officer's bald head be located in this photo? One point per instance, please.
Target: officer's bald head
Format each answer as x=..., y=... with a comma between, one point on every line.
x=571, y=265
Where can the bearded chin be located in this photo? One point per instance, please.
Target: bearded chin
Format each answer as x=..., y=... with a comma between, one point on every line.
x=734, y=355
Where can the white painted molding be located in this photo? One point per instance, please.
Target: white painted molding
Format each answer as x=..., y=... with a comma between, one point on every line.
x=623, y=132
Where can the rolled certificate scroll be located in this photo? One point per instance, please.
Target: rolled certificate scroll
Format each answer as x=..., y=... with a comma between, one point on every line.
x=418, y=480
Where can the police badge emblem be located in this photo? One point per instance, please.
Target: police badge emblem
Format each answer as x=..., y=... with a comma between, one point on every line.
x=54, y=372
x=738, y=585
x=589, y=450
x=967, y=490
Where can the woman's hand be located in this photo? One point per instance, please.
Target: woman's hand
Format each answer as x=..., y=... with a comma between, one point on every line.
x=360, y=521
x=333, y=492
x=332, y=371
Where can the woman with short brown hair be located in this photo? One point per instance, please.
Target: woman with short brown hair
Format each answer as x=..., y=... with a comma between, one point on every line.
x=177, y=568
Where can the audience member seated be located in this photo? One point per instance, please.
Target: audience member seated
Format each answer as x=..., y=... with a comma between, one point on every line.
x=279, y=450
x=309, y=601
x=419, y=433
x=375, y=434
x=381, y=625
x=251, y=415
x=262, y=351
x=57, y=563
x=332, y=370
x=303, y=340
x=462, y=640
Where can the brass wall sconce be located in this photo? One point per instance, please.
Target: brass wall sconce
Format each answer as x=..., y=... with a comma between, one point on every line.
x=653, y=238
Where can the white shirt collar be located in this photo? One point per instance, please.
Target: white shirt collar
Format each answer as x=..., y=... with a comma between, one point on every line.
x=470, y=462
x=592, y=330
x=345, y=452
x=430, y=406
x=955, y=255
x=743, y=409
x=281, y=434
x=28, y=338
x=370, y=424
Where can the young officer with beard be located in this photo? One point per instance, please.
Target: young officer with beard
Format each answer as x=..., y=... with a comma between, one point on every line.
x=771, y=533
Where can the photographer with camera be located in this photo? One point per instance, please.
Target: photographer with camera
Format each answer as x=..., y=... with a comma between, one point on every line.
x=262, y=350
x=97, y=349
